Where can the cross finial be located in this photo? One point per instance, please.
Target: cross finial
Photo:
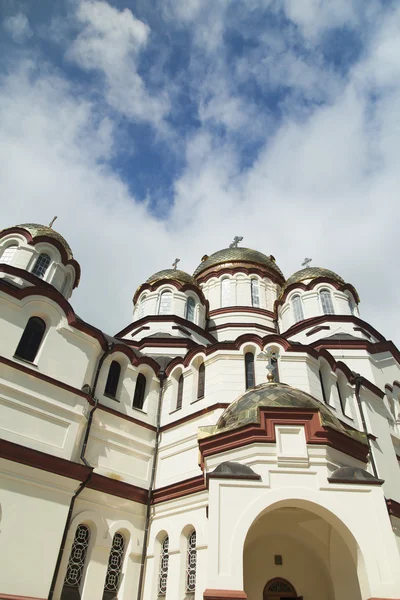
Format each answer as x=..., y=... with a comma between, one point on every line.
x=52, y=221
x=175, y=263
x=306, y=262
x=235, y=242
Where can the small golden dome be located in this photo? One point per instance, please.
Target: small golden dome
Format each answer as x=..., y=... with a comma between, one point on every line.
x=312, y=273
x=176, y=274
x=237, y=255
x=37, y=230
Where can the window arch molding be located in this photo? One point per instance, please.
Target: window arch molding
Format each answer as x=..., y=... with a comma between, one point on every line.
x=326, y=300
x=140, y=305
x=165, y=300
x=255, y=291
x=192, y=308
x=296, y=304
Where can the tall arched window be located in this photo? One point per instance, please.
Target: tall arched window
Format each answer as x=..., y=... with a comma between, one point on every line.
x=163, y=574
x=249, y=369
x=77, y=559
x=255, y=292
x=352, y=305
x=31, y=339
x=201, y=384
x=113, y=379
x=41, y=265
x=165, y=303
x=113, y=577
x=297, y=306
x=321, y=380
x=140, y=314
x=179, y=396
x=190, y=309
x=140, y=390
x=8, y=254
x=226, y=292
x=326, y=302
x=191, y=564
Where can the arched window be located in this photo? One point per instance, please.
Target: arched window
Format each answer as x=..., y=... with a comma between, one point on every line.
x=76, y=563
x=279, y=588
x=180, y=393
x=140, y=390
x=163, y=574
x=249, y=369
x=41, y=265
x=226, y=295
x=326, y=302
x=352, y=305
x=113, y=577
x=31, y=339
x=8, y=254
x=321, y=380
x=190, y=309
x=113, y=379
x=255, y=292
x=141, y=308
x=165, y=303
x=297, y=306
x=201, y=384
x=191, y=564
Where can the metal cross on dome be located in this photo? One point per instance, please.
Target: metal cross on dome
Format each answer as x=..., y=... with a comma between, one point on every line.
x=306, y=262
x=175, y=263
x=236, y=241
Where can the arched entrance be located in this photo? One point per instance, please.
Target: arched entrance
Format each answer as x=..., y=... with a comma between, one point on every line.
x=300, y=555
x=277, y=589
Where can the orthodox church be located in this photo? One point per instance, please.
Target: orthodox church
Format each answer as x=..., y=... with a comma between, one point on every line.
x=239, y=439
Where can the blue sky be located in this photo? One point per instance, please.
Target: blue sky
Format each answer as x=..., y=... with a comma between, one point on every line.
x=156, y=129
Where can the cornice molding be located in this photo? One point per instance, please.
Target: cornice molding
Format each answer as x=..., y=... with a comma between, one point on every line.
x=300, y=285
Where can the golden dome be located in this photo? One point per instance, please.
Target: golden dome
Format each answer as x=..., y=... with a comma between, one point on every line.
x=37, y=230
x=245, y=410
x=312, y=273
x=237, y=255
x=176, y=274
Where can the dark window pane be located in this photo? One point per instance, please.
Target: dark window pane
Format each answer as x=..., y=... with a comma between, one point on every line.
x=202, y=382
x=140, y=390
x=113, y=379
x=31, y=339
x=180, y=393
x=249, y=369
x=41, y=265
x=321, y=380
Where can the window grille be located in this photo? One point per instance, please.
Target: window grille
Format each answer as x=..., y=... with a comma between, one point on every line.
x=140, y=390
x=280, y=585
x=113, y=379
x=297, y=306
x=190, y=309
x=321, y=380
x=115, y=559
x=201, y=382
x=41, y=265
x=326, y=302
x=180, y=393
x=165, y=303
x=31, y=339
x=249, y=369
x=77, y=557
x=164, y=561
x=191, y=564
x=8, y=254
x=226, y=294
x=255, y=293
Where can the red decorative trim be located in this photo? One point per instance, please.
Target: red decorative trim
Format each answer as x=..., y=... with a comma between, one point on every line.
x=232, y=325
x=14, y=597
x=48, y=240
x=179, y=489
x=357, y=481
x=323, y=319
x=393, y=507
x=362, y=331
x=41, y=460
x=248, y=309
x=224, y=594
x=145, y=327
x=151, y=319
x=316, y=329
x=195, y=415
x=312, y=284
x=241, y=267
x=265, y=433
x=121, y=489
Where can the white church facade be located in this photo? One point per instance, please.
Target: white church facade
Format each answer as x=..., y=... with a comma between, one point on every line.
x=239, y=439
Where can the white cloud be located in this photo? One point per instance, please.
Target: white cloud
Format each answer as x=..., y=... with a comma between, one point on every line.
x=110, y=43
x=18, y=27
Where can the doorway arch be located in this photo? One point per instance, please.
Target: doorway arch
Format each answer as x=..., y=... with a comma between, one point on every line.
x=278, y=588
